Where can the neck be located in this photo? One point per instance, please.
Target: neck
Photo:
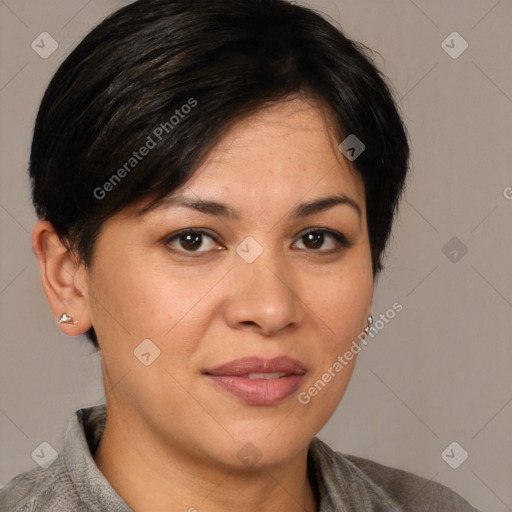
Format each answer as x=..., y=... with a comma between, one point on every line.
x=154, y=476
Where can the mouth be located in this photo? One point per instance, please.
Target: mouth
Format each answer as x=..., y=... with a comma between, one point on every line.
x=258, y=381
x=267, y=376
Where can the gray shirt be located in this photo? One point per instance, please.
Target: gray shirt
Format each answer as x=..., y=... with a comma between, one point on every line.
x=345, y=483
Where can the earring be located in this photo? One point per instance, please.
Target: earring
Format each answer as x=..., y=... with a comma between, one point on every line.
x=370, y=322
x=66, y=319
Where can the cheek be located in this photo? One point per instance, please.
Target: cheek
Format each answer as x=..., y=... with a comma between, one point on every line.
x=340, y=303
x=340, y=307
x=128, y=300
x=342, y=300
x=140, y=300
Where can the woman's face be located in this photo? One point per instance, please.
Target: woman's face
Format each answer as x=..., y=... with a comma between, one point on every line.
x=247, y=281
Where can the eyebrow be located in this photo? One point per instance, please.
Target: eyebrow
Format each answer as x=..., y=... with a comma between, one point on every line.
x=306, y=209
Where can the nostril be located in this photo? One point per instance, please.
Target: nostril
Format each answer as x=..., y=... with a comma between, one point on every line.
x=249, y=322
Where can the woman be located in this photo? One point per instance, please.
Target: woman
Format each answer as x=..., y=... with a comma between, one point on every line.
x=216, y=183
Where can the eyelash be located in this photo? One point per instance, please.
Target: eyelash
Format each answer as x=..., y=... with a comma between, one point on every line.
x=339, y=238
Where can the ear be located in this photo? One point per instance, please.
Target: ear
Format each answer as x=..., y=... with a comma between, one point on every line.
x=63, y=277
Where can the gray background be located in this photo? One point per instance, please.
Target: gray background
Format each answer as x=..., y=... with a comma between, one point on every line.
x=440, y=370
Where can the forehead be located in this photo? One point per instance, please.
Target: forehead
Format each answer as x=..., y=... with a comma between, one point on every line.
x=282, y=153
x=268, y=164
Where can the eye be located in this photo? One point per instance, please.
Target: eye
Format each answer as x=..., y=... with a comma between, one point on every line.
x=323, y=240
x=192, y=240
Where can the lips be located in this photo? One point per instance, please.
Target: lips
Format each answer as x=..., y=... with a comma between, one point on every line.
x=258, y=381
x=248, y=365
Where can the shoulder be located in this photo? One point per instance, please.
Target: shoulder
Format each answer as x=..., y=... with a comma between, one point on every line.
x=40, y=489
x=383, y=485
x=410, y=491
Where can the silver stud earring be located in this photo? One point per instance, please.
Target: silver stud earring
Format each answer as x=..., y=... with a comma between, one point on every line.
x=66, y=319
x=370, y=322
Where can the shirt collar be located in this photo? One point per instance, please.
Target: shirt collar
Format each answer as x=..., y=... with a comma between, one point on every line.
x=82, y=436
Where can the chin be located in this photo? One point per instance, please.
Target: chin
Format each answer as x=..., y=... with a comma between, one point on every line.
x=264, y=447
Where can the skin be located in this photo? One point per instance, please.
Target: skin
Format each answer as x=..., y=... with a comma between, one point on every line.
x=172, y=436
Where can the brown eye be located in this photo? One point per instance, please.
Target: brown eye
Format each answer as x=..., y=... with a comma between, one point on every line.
x=191, y=241
x=323, y=240
x=313, y=240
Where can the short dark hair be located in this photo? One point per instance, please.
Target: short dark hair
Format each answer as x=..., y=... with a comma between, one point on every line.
x=180, y=73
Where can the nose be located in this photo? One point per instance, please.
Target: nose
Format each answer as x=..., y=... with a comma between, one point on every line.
x=264, y=297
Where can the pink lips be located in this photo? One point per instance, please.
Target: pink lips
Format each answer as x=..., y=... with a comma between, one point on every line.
x=234, y=378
